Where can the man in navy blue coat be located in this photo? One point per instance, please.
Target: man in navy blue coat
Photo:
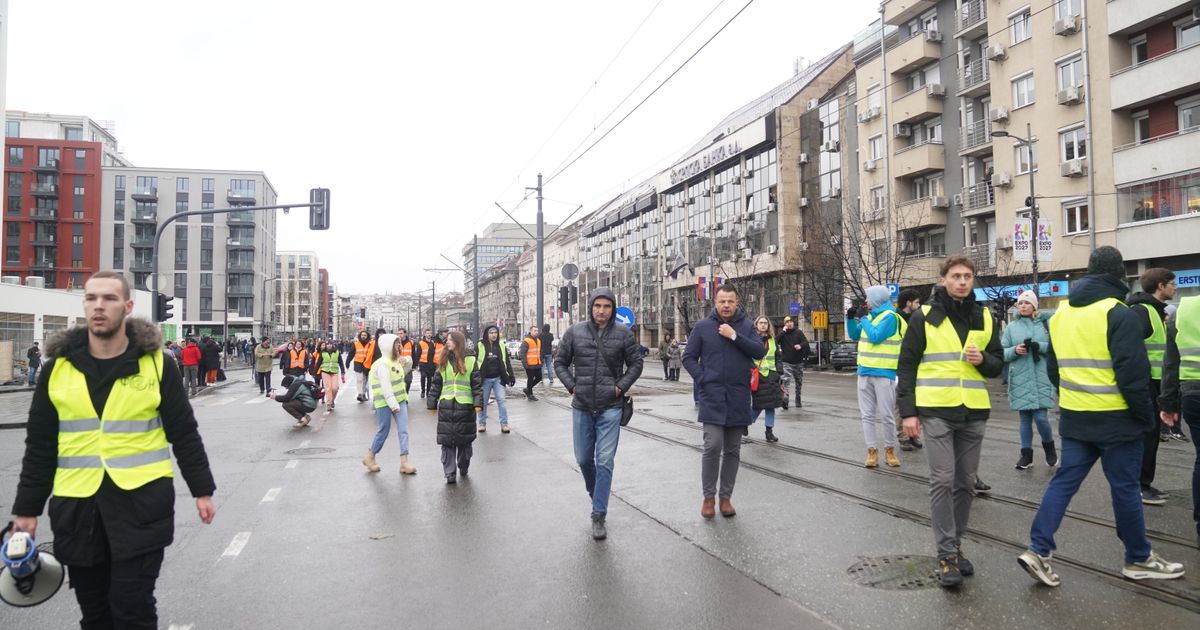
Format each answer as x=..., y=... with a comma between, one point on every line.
x=721, y=351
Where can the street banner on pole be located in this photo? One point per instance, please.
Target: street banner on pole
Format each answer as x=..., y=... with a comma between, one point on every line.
x=1022, y=240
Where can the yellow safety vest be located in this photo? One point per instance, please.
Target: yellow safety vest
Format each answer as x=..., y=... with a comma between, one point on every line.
x=944, y=377
x=126, y=441
x=1156, y=343
x=396, y=376
x=884, y=355
x=457, y=385
x=1187, y=338
x=766, y=365
x=1086, y=378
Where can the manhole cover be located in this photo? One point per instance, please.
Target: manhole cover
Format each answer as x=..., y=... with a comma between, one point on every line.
x=895, y=573
x=310, y=451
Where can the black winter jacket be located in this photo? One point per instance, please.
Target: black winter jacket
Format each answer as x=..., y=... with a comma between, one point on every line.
x=770, y=387
x=135, y=521
x=1130, y=363
x=965, y=316
x=786, y=342
x=456, y=421
x=590, y=359
x=1172, y=387
x=300, y=390
x=496, y=362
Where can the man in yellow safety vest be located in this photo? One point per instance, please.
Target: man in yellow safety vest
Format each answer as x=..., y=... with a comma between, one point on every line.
x=101, y=425
x=1181, y=383
x=1149, y=305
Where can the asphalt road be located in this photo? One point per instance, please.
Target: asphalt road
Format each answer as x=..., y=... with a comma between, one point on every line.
x=310, y=540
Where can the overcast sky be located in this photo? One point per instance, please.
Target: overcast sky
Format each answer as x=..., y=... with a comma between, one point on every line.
x=417, y=116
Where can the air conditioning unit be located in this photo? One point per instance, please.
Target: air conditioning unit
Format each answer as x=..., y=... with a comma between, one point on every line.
x=1001, y=179
x=998, y=114
x=747, y=254
x=831, y=146
x=868, y=114
x=749, y=174
x=995, y=52
x=691, y=201
x=743, y=243
x=803, y=246
x=940, y=202
x=804, y=202
x=803, y=159
x=935, y=89
x=1070, y=96
x=1073, y=168
x=869, y=165
x=1004, y=242
x=772, y=249
x=958, y=200
x=772, y=206
x=933, y=36
x=709, y=260
x=902, y=130
x=667, y=243
x=1066, y=26
x=835, y=192
x=718, y=188
x=813, y=103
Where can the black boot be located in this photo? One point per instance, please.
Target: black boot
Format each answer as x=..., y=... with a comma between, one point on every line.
x=599, y=531
x=771, y=435
x=1026, y=459
x=1051, y=453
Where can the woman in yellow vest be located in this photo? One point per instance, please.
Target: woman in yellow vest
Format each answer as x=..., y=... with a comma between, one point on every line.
x=768, y=396
x=330, y=367
x=458, y=389
x=390, y=397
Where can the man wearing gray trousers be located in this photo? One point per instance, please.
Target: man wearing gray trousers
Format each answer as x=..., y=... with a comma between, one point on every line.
x=721, y=351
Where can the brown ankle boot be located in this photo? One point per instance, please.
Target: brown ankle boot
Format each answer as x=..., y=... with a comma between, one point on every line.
x=889, y=455
x=369, y=462
x=708, y=509
x=872, y=458
x=727, y=508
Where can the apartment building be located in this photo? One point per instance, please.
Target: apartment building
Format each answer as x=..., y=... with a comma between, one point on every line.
x=499, y=297
x=324, y=313
x=498, y=243
x=297, y=294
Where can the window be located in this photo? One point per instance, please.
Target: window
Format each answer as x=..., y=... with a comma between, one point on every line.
x=206, y=280
x=206, y=233
x=875, y=146
x=208, y=185
x=182, y=184
x=181, y=281
x=118, y=257
x=1141, y=126
x=146, y=184
x=12, y=255
x=13, y=231
x=1070, y=73
x=928, y=131
x=1189, y=113
x=874, y=96
x=925, y=76
x=1187, y=33
x=73, y=133
x=1075, y=216
x=1026, y=159
x=47, y=157
x=1067, y=8
x=12, y=129
x=119, y=182
x=878, y=198
x=119, y=209
x=925, y=187
x=1023, y=91
x=206, y=259
x=16, y=156
x=80, y=159
x=181, y=257
x=1073, y=144
x=1019, y=26
x=1138, y=49
x=181, y=232
x=205, y=304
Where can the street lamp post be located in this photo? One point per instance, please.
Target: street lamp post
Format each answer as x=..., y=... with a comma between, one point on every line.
x=263, y=329
x=1033, y=209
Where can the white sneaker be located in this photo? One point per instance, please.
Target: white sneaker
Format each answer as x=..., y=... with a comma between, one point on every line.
x=1038, y=567
x=1153, y=568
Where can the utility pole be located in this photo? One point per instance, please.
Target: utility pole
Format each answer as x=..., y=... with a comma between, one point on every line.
x=1033, y=209
x=433, y=307
x=541, y=272
x=475, y=281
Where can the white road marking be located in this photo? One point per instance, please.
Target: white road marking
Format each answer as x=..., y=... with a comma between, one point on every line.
x=292, y=463
x=304, y=443
x=237, y=544
x=257, y=400
x=223, y=401
x=271, y=495
x=176, y=626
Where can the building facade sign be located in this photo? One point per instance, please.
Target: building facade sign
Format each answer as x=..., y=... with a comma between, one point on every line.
x=726, y=148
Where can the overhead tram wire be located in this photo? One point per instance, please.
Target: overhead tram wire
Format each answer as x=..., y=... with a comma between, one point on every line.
x=561, y=168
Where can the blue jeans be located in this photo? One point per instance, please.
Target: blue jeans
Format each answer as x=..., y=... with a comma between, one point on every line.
x=33, y=370
x=1191, y=415
x=490, y=384
x=596, y=436
x=770, y=417
x=1122, y=463
x=548, y=367
x=1028, y=418
x=385, y=418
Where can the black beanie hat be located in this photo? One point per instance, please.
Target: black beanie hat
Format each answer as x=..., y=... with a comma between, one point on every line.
x=1107, y=259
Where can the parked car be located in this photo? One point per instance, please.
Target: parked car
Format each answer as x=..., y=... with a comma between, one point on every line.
x=818, y=350
x=844, y=354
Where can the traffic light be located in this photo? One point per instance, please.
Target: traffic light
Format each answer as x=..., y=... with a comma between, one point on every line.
x=318, y=215
x=162, y=307
x=574, y=294
x=564, y=296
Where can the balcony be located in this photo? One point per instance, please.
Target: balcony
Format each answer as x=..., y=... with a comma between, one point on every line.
x=916, y=51
x=40, y=214
x=239, y=264
x=978, y=199
x=140, y=265
x=44, y=240
x=915, y=106
x=145, y=216
x=901, y=11
x=920, y=269
x=146, y=242
x=984, y=257
x=919, y=213
x=1177, y=152
x=240, y=218
x=240, y=197
x=974, y=79
x=1166, y=75
x=1159, y=238
x=1126, y=17
x=241, y=290
x=145, y=193
x=41, y=264
x=919, y=159
x=46, y=166
x=44, y=190
x=972, y=19
x=241, y=243
x=976, y=138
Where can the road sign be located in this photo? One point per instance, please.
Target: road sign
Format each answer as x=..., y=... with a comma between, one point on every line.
x=820, y=320
x=570, y=271
x=624, y=316
x=794, y=308
x=893, y=289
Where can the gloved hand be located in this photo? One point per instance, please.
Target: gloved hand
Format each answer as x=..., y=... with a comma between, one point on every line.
x=852, y=313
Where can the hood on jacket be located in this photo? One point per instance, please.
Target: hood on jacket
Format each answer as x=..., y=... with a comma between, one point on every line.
x=487, y=330
x=877, y=296
x=385, y=343
x=738, y=316
x=601, y=292
x=1141, y=297
x=1095, y=287
x=143, y=335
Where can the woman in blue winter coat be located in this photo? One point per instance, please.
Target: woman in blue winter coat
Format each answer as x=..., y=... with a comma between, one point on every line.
x=1026, y=341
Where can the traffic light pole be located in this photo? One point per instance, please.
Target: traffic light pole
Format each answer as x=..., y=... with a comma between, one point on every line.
x=162, y=227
